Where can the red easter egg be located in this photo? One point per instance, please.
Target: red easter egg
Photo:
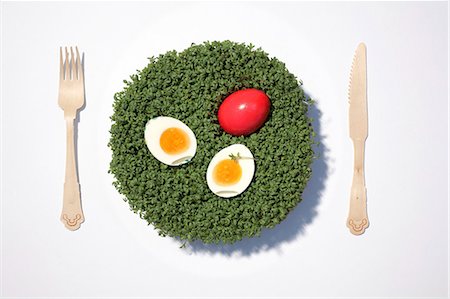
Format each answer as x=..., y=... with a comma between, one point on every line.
x=244, y=112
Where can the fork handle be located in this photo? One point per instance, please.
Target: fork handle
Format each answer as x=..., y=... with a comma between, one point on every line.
x=72, y=214
x=357, y=220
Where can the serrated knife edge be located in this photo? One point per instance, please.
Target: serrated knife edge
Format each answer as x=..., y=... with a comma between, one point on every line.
x=357, y=94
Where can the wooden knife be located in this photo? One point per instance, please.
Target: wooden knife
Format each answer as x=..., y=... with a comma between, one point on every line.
x=357, y=220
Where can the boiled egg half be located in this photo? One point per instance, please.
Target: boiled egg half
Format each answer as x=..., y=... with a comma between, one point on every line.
x=170, y=141
x=230, y=171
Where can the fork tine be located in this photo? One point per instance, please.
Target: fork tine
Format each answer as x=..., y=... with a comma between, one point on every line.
x=78, y=65
x=73, y=74
x=81, y=65
x=67, y=65
x=61, y=65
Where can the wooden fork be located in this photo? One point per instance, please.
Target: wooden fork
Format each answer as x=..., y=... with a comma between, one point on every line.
x=71, y=98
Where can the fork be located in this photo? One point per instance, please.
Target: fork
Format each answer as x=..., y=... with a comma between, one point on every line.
x=70, y=99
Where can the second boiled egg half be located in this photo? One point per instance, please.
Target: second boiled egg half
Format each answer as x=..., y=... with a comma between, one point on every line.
x=170, y=141
x=230, y=171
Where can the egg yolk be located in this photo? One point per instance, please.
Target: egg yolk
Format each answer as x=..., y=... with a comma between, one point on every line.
x=227, y=172
x=174, y=141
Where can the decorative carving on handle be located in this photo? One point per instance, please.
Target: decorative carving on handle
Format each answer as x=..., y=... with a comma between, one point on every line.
x=358, y=227
x=72, y=223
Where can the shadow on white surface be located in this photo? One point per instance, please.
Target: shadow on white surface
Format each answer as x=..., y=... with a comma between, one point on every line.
x=77, y=119
x=297, y=220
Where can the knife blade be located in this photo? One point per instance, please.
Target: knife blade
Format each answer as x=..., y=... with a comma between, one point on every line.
x=357, y=220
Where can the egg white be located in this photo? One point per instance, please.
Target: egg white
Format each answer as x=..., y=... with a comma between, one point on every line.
x=153, y=131
x=247, y=164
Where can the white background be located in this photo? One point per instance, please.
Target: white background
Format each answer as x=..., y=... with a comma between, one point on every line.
x=404, y=253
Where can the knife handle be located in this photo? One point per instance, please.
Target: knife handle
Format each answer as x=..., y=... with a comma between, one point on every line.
x=357, y=220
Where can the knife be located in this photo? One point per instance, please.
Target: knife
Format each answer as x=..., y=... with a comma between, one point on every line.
x=357, y=220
